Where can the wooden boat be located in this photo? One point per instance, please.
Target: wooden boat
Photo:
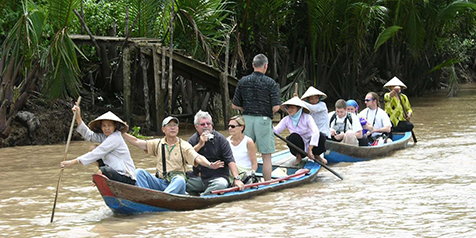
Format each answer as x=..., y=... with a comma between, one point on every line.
x=340, y=152
x=128, y=199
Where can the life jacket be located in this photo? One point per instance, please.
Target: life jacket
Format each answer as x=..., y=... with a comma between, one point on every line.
x=348, y=117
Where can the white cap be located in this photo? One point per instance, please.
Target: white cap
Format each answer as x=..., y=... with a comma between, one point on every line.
x=168, y=119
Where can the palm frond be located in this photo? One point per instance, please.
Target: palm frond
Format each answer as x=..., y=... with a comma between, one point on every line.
x=453, y=8
x=61, y=12
x=63, y=79
x=385, y=35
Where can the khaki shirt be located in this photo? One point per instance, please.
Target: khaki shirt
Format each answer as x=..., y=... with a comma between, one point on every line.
x=173, y=155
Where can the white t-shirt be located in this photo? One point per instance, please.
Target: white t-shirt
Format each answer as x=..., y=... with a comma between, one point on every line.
x=377, y=118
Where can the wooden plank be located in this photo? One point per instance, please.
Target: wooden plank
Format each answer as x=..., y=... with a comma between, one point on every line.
x=127, y=85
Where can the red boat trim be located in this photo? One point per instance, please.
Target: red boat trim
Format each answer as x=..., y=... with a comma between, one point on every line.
x=298, y=173
x=100, y=181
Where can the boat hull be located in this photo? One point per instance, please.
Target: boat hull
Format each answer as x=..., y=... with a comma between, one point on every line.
x=340, y=152
x=128, y=199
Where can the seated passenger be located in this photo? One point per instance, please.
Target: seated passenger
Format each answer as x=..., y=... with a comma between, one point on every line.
x=214, y=146
x=345, y=126
x=396, y=105
x=353, y=107
x=117, y=163
x=243, y=147
x=173, y=154
x=380, y=125
x=303, y=131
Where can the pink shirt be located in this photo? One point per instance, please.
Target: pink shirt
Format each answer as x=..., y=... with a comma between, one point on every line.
x=306, y=128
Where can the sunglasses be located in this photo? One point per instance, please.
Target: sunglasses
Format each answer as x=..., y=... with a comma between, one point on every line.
x=233, y=126
x=205, y=123
x=369, y=100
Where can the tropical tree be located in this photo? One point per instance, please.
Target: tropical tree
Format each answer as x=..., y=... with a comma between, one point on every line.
x=412, y=40
x=37, y=55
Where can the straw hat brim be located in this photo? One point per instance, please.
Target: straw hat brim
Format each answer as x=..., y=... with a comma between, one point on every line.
x=295, y=101
x=96, y=123
x=312, y=91
x=394, y=82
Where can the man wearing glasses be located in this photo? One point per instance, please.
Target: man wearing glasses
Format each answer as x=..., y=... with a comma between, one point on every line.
x=214, y=146
x=173, y=154
x=378, y=121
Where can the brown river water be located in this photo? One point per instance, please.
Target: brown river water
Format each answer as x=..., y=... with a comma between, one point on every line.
x=427, y=190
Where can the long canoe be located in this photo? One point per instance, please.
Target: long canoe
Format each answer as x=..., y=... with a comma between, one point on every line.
x=340, y=152
x=128, y=199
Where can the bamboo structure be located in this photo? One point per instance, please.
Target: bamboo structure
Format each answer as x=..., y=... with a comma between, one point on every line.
x=161, y=71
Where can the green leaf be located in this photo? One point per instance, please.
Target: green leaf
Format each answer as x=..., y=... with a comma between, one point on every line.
x=385, y=35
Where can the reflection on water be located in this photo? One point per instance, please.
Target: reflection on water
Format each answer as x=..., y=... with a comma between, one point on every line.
x=427, y=190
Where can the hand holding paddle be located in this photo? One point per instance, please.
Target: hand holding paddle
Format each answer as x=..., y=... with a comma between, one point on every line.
x=64, y=158
x=406, y=115
x=302, y=152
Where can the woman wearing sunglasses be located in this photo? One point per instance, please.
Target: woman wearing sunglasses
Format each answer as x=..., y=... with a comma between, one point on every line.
x=243, y=147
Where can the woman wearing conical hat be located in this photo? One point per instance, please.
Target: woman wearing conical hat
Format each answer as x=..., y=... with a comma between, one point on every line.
x=318, y=109
x=303, y=130
x=113, y=150
x=395, y=100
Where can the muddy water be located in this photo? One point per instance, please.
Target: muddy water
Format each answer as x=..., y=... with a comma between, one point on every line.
x=428, y=190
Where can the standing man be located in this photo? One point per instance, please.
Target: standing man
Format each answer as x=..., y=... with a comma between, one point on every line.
x=173, y=154
x=398, y=106
x=258, y=96
x=215, y=147
x=377, y=118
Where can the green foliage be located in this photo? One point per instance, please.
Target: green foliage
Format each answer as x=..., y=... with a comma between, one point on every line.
x=29, y=46
x=136, y=133
x=453, y=88
x=387, y=34
x=101, y=15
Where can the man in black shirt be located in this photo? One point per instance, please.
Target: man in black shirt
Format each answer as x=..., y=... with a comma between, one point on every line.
x=214, y=146
x=258, y=96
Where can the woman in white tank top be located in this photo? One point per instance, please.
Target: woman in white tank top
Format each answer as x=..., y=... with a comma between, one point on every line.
x=243, y=147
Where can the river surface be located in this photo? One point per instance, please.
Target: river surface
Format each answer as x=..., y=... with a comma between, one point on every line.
x=427, y=190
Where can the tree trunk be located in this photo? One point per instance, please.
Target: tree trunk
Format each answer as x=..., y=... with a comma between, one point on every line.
x=127, y=84
x=145, y=65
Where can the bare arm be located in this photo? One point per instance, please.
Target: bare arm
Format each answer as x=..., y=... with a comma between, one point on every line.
x=276, y=108
x=252, y=154
x=234, y=171
x=142, y=144
x=237, y=107
x=200, y=159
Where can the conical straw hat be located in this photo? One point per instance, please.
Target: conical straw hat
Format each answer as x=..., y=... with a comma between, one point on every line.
x=394, y=82
x=96, y=123
x=312, y=91
x=295, y=101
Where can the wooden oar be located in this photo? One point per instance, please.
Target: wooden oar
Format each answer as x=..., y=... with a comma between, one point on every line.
x=303, y=152
x=298, y=173
x=406, y=114
x=64, y=158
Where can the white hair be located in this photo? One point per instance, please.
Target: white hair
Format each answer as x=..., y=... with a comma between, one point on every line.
x=201, y=114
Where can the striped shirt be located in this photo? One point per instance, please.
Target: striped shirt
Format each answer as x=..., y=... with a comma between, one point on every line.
x=257, y=94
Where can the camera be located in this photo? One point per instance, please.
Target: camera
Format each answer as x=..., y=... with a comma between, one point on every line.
x=209, y=134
